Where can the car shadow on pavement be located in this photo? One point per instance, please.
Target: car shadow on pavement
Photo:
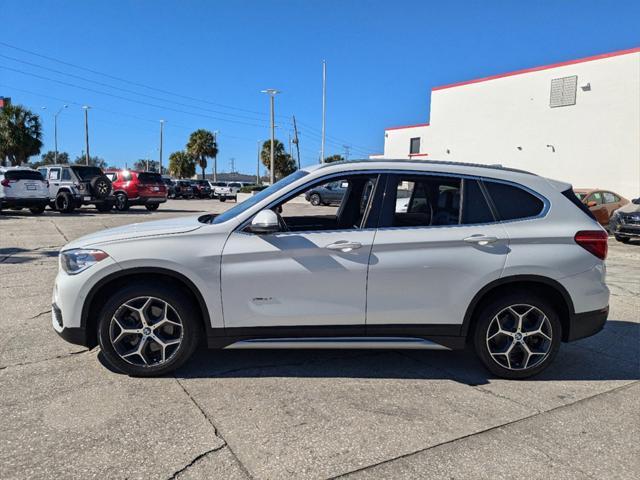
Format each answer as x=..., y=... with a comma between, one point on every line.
x=591, y=359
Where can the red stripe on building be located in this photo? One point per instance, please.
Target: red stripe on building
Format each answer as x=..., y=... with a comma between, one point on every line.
x=537, y=69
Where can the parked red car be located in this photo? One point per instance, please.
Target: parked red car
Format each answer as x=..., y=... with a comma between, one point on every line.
x=137, y=188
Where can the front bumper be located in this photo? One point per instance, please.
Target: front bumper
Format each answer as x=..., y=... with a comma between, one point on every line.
x=75, y=335
x=582, y=325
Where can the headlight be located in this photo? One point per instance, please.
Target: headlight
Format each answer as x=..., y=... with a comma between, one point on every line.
x=77, y=260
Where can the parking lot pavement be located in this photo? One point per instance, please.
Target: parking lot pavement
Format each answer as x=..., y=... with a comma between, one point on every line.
x=302, y=414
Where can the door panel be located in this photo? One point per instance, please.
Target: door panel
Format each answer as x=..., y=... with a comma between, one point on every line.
x=429, y=275
x=290, y=279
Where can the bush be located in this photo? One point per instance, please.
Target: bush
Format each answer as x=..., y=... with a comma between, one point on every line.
x=252, y=188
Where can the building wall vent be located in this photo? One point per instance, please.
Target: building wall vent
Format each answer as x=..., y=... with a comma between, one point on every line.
x=563, y=91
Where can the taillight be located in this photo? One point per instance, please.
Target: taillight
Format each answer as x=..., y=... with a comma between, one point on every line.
x=594, y=242
x=5, y=183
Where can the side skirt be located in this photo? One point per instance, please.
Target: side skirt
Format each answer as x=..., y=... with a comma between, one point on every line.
x=338, y=343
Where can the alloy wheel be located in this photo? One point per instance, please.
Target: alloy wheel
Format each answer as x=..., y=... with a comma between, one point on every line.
x=519, y=337
x=146, y=331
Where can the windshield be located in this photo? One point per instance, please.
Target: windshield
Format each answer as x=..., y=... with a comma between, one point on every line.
x=87, y=173
x=251, y=201
x=580, y=195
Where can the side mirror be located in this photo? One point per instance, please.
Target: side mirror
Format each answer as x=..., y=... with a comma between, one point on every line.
x=266, y=221
x=591, y=204
x=636, y=201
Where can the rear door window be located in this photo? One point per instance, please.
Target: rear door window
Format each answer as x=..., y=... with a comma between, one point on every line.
x=609, y=197
x=66, y=174
x=475, y=208
x=512, y=202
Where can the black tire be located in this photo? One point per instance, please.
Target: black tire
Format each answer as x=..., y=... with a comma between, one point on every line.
x=101, y=186
x=64, y=202
x=152, y=207
x=181, y=304
x=223, y=199
x=122, y=202
x=622, y=239
x=315, y=199
x=104, y=207
x=485, y=327
x=39, y=210
x=235, y=199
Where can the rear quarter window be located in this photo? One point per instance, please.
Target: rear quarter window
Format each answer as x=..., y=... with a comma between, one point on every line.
x=148, y=177
x=512, y=202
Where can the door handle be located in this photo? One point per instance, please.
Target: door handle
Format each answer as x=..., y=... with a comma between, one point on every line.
x=344, y=246
x=481, y=239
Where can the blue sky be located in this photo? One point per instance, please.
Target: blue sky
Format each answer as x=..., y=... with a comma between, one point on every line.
x=207, y=61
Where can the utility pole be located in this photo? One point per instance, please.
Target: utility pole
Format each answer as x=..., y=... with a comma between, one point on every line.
x=272, y=92
x=290, y=151
x=258, y=165
x=232, y=161
x=295, y=139
x=324, y=107
x=215, y=157
x=160, y=157
x=346, y=151
x=55, y=133
x=86, y=133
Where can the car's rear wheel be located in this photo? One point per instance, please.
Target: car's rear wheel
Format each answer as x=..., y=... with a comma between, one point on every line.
x=223, y=199
x=152, y=206
x=122, y=202
x=104, y=207
x=622, y=239
x=315, y=199
x=64, y=202
x=148, y=329
x=39, y=210
x=517, y=335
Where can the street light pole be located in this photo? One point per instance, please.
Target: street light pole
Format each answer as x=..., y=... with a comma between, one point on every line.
x=55, y=133
x=86, y=132
x=161, y=131
x=215, y=157
x=272, y=92
x=324, y=107
x=258, y=165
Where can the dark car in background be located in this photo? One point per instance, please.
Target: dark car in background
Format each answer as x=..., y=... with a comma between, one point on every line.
x=625, y=222
x=184, y=189
x=202, y=189
x=137, y=188
x=328, y=194
x=171, y=187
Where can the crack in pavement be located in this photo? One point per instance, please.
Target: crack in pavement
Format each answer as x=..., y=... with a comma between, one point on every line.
x=59, y=231
x=215, y=431
x=481, y=432
x=66, y=355
x=194, y=461
x=39, y=314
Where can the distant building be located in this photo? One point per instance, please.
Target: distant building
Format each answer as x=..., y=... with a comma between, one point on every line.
x=577, y=121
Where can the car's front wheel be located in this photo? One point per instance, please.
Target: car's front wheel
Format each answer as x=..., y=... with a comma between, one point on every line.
x=64, y=202
x=517, y=335
x=148, y=329
x=622, y=239
x=315, y=199
x=152, y=206
x=39, y=210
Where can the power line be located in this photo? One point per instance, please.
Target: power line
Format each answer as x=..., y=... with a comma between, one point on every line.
x=124, y=80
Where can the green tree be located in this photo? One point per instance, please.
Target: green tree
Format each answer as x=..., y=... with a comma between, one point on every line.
x=182, y=165
x=142, y=164
x=93, y=161
x=49, y=158
x=20, y=134
x=202, y=145
x=334, y=158
x=284, y=164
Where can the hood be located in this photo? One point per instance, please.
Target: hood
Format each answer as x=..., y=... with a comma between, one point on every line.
x=170, y=226
x=629, y=208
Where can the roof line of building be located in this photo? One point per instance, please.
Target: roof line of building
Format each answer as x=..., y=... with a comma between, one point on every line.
x=536, y=69
x=407, y=126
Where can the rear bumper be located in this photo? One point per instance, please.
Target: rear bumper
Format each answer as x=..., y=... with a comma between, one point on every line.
x=95, y=201
x=24, y=202
x=147, y=200
x=582, y=325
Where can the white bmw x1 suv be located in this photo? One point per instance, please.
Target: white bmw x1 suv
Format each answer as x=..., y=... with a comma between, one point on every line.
x=430, y=255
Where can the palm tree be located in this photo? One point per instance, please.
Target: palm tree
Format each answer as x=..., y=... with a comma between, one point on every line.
x=181, y=165
x=202, y=145
x=20, y=134
x=284, y=163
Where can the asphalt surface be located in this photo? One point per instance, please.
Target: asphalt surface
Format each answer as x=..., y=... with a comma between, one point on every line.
x=302, y=414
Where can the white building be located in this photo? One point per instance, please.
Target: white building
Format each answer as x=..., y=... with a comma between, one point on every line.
x=577, y=121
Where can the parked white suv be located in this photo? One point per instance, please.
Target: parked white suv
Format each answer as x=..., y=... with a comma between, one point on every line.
x=503, y=260
x=22, y=187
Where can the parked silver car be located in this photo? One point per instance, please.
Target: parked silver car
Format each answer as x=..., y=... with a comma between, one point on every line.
x=71, y=186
